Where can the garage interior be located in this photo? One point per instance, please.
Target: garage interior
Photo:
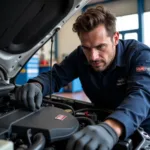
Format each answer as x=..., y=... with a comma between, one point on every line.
x=56, y=117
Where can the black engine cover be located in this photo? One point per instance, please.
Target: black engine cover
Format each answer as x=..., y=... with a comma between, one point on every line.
x=54, y=123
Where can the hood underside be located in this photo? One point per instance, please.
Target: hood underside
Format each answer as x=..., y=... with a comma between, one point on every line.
x=28, y=24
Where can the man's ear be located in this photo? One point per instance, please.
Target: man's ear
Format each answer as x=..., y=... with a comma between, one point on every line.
x=116, y=38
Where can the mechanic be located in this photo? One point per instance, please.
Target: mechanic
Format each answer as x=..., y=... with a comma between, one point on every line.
x=115, y=74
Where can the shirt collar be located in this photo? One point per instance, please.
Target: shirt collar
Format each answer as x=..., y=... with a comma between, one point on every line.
x=120, y=57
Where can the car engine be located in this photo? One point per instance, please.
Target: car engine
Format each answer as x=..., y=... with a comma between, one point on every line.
x=50, y=127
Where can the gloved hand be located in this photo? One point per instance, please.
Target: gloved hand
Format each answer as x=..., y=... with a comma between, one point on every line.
x=30, y=94
x=94, y=137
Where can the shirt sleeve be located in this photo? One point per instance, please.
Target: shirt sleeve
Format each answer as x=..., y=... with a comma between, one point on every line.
x=135, y=107
x=62, y=74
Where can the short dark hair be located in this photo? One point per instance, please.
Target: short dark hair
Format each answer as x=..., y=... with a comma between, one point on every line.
x=93, y=17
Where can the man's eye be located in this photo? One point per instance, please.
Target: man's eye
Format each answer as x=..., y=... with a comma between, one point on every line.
x=101, y=47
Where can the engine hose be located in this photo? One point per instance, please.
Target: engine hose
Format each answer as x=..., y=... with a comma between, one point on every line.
x=95, y=109
x=87, y=120
x=38, y=142
x=61, y=104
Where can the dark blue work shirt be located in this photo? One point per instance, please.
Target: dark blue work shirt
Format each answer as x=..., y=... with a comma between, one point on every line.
x=124, y=86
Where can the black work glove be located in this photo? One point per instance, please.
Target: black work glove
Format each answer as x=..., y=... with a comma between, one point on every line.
x=94, y=137
x=30, y=94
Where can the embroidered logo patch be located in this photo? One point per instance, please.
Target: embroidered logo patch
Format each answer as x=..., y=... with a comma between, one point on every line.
x=121, y=81
x=60, y=117
x=140, y=69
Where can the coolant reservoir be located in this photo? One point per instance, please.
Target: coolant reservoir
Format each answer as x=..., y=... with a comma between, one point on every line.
x=6, y=145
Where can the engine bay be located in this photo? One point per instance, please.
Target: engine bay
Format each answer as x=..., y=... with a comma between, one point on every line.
x=50, y=127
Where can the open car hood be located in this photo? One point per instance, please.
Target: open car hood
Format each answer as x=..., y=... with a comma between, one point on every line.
x=26, y=25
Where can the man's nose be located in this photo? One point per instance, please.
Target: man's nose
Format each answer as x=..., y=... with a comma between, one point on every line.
x=94, y=54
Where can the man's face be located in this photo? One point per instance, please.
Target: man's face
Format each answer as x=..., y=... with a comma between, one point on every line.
x=99, y=48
